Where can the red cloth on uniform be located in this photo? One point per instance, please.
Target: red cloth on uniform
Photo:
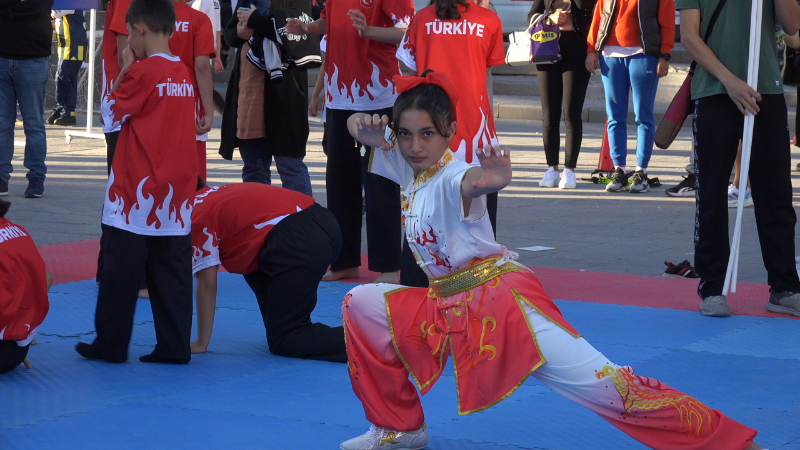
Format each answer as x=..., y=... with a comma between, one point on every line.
x=118, y=20
x=358, y=71
x=230, y=223
x=23, y=283
x=462, y=49
x=154, y=173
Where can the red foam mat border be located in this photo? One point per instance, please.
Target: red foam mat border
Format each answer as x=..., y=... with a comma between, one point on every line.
x=76, y=261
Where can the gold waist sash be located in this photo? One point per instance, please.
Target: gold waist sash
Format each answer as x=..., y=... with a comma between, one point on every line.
x=469, y=278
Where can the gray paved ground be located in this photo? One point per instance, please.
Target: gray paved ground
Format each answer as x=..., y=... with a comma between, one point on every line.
x=590, y=229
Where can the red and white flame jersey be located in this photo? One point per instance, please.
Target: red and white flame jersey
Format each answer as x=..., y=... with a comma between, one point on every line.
x=23, y=285
x=230, y=223
x=193, y=37
x=443, y=237
x=358, y=71
x=110, y=58
x=462, y=49
x=154, y=173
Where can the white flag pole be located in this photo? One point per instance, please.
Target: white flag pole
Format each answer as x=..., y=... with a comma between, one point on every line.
x=747, y=142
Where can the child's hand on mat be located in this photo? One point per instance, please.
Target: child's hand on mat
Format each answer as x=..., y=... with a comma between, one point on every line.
x=196, y=347
x=495, y=168
x=371, y=130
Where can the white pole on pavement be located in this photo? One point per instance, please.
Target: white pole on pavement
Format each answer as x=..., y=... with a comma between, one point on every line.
x=747, y=142
x=90, y=86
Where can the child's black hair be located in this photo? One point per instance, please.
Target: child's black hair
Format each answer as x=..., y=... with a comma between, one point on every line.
x=157, y=15
x=429, y=98
x=4, y=205
x=448, y=9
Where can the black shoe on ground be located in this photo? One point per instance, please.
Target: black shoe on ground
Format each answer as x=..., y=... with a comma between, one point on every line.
x=3, y=187
x=639, y=183
x=682, y=270
x=619, y=181
x=66, y=119
x=56, y=114
x=35, y=188
x=685, y=188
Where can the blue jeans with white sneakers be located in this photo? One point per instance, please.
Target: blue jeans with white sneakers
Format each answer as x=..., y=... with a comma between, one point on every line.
x=635, y=74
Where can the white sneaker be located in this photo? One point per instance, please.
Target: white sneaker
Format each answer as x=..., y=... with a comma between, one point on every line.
x=378, y=438
x=568, y=180
x=550, y=178
x=733, y=197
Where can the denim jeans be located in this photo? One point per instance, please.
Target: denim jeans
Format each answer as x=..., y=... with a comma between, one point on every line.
x=635, y=73
x=23, y=81
x=257, y=162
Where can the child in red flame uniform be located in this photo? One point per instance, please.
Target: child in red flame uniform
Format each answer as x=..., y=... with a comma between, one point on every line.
x=359, y=64
x=282, y=242
x=24, y=282
x=490, y=313
x=148, y=202
x=428, y=44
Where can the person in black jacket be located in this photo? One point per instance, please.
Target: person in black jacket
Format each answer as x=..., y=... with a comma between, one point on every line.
x=269, y=119
x=25, y=37
x=563, y=85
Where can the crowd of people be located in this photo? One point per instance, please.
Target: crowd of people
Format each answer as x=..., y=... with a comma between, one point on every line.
x=431, y=133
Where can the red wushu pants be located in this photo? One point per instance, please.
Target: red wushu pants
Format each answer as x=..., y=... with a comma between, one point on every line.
x=644, y=408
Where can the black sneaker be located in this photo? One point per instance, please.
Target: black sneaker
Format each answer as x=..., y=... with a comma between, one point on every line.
x=682, y=270
x=66, y=119
x=3, y=187
x=35, y=188
x=639, y=183
x=685, y=188
x=56, y=114
x=619, y=181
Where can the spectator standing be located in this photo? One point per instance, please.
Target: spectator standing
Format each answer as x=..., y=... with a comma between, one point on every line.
x=562, y=86
x=359, y=64
x=72, y=45
x=721, y=99
x=193, y=43
x=25, y=37
x=635, y=38
x=211, y=8
x=425, y=46
x=266, y=120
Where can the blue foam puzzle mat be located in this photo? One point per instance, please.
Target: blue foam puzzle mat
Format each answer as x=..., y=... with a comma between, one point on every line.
x=238, y=395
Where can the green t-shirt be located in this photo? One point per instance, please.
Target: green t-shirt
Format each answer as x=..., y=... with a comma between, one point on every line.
x=730, y=41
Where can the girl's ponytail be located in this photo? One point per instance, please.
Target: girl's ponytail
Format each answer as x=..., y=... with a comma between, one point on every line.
x=448, y=9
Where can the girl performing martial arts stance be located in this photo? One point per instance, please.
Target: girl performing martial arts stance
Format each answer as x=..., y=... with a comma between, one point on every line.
x=487, y=311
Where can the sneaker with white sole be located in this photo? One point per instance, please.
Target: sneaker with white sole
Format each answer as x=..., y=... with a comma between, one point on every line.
x=733, y=197
x=639, y=183
x=3, y=187
x=550, y=178
x=685, y=188
x=619, y=181
x=568, y=180
x=784, y=302
x=378, y=438
x=715, y=306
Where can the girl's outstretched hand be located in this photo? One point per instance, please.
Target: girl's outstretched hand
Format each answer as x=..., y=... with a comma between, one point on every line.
x=495, y=169
x=369, y=130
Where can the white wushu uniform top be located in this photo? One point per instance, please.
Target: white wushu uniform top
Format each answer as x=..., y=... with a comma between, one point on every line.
x=443, y=237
